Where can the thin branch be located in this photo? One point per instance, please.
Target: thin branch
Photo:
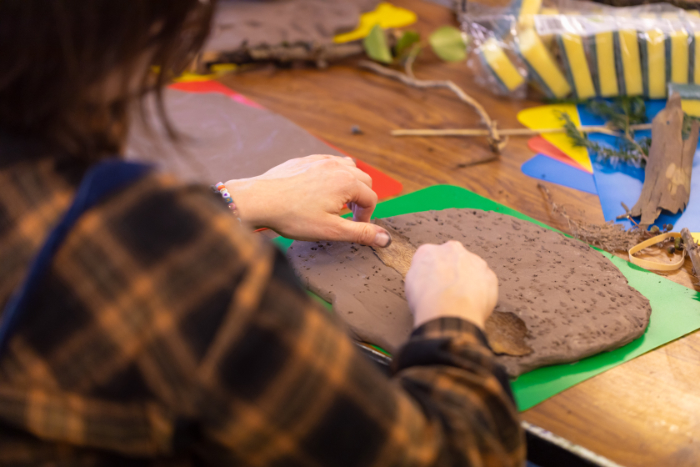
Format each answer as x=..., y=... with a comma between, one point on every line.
x=511, y=131
x=495, y=139
x=410, y=60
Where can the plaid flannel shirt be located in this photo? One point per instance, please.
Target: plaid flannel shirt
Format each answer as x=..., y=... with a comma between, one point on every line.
x=166, y=334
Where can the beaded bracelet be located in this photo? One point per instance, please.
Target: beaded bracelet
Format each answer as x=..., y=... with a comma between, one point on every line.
x=221, y=189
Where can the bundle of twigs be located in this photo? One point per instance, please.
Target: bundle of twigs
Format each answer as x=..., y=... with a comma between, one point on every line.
x=610, y=237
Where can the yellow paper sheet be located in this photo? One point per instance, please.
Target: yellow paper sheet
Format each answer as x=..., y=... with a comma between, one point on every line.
x=546, y=116
x=385, y=15
x=218, y=70
x=691, y=107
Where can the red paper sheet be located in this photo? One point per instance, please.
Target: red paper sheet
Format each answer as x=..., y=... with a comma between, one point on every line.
x=541, y=146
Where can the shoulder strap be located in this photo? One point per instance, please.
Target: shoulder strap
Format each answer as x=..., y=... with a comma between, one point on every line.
x=100, y=182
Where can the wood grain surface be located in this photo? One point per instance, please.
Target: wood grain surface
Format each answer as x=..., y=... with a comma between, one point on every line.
x=642, y=413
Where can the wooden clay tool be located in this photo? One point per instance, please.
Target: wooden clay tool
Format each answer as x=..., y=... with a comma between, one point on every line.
x=505, y=331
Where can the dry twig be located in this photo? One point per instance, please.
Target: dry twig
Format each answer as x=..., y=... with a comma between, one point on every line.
x=496, y=141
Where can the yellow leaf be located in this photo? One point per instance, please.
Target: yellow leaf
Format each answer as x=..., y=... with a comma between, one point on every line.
x=385, y=15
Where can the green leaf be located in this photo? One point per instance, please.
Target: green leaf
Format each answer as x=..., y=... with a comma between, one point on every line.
x=376, y=46
x=448, y=44
x=406, y=41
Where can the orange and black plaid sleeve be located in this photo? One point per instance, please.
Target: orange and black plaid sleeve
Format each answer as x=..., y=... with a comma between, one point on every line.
x=167, y=334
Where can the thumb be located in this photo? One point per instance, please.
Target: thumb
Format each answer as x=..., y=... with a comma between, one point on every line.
x=363, y=233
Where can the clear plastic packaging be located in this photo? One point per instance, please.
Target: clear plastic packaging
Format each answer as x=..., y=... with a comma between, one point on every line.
x=581, y=50
x=495, y=60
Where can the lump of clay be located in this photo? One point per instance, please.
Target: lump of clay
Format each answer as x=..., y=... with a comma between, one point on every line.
x=254, y=24
x=573, y=301
x=221, y=138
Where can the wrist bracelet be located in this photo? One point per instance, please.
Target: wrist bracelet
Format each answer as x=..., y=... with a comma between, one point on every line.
x=221, y=189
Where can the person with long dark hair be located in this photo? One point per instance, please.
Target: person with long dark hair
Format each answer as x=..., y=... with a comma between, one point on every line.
x=142, y=322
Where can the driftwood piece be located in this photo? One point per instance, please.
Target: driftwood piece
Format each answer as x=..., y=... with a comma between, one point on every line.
x=505, y=331
x=668, y=170
x=692, y=249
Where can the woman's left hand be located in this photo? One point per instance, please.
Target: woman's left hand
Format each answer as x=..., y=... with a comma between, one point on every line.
x=302, y=199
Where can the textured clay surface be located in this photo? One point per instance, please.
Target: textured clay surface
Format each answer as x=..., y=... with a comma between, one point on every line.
x=222, y=138
x=250, y=24
x=574, y=301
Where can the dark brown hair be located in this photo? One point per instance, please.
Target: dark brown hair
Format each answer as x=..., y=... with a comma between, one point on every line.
x=54, y=55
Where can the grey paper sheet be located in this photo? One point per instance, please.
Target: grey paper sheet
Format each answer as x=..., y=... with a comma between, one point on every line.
x=222, y=139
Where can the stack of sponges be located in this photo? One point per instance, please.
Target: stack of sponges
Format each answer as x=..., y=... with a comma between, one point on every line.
x=634, y=60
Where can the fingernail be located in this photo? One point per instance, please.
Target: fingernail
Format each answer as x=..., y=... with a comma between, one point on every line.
x=382, y=240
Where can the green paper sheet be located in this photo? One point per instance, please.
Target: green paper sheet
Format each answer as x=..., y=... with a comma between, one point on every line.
x=675, y=309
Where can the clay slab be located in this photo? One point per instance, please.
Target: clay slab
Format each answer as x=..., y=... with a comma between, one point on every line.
x=574, y=301
x=270, y=23
x=222, y=139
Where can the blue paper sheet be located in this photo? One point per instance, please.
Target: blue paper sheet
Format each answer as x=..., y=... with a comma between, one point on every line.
x=623, y=182
x=551, y=170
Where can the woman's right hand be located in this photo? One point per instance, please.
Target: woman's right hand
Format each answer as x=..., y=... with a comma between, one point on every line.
x=449, y=281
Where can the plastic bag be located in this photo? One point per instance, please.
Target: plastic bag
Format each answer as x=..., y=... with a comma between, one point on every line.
x=582, y=50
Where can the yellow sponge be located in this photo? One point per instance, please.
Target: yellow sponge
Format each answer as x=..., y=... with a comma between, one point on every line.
x=528, y=8
x=692, y=108
x=497, y=62
x=605, y=65
x=690, y=97
x=630, y=63
x=654, y=53
x=678, y=56
x=576, y=65
x=543, y=68
x=548, y=38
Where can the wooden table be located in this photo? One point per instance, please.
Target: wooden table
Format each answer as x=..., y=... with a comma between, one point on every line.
x=642, y=413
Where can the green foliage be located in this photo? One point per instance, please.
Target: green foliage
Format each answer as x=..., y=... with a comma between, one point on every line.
x=627, y=151
x=406, y=42
x=621, y=113
x=376, y=46
x=448, y=44
x=687, y=121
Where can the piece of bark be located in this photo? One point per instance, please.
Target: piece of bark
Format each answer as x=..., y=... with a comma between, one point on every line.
x=505, y=331
x=670, y=164
x=692, y=249
x=506, y=334
x=399, y=254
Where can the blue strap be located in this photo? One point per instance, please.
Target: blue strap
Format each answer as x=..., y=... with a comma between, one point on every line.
x=100, y=182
